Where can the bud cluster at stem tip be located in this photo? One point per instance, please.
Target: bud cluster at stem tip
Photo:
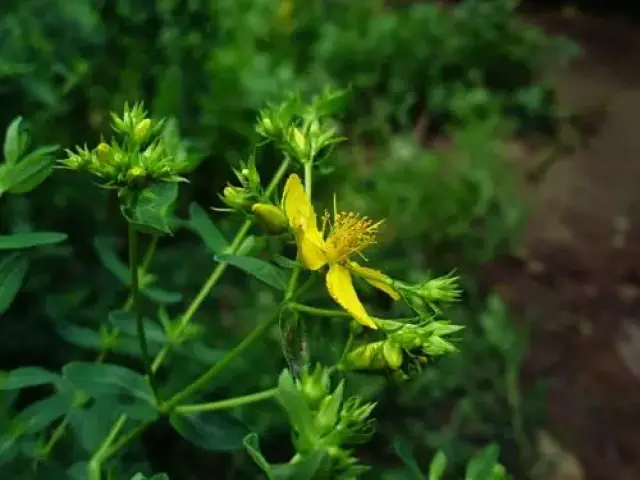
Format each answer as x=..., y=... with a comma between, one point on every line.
x=135, y=158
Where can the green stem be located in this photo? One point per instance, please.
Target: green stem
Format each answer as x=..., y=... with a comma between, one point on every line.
x=227, y=403
x=206, y=378
x=318, y=312
x=95, y=464
x=213, y=372
x=135, y=295
x=125, y=439
x=219, y=270
x=308, y=178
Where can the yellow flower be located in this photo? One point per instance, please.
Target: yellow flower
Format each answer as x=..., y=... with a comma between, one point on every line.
x=349, y=234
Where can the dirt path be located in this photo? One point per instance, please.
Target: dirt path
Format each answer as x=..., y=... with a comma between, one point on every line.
x=581, y=275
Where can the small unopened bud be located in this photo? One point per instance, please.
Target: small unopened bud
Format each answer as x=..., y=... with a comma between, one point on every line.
x=392, y=354
x=236, y=197
x=142, y=130
x=299, y=143
x=136, y=173
x=270, y=218
x=103, y=152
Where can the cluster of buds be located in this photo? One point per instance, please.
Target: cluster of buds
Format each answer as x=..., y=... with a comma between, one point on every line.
x=404, y=342
x=250, y=197
x=137, y=159
x=430, y=293
x=302, y=132
x=324, y=421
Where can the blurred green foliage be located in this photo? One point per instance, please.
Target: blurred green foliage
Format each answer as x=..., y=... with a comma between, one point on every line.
x=473, y=68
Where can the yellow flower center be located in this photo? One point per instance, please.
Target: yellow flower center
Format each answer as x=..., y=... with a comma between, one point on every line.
x=349, y=234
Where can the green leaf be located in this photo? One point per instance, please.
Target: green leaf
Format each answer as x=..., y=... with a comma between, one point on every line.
x=200, y=223
x=80, y=336
x=41, y=414
x=252, y=445
x=26, y=377
x=12, y=271
x=96, y=380
x=107, y=255
x=294, y=403
x=105, y=248
x=125, y=322
x=92, y=423
x=31, y=239
x=483, y=463
x=13, y=142
x=304, y=470
x=216, y=431
x=153, y=207
x=437, y=466
x=264, y=271
x=403, y=450
x=28, y=173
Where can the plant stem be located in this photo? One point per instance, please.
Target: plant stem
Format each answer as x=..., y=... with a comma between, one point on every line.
x=219, y=270
x=318, y=312
x=95, y=464
x=135, y=296
x=308, y=178
x=206, y=378
x=227, y=403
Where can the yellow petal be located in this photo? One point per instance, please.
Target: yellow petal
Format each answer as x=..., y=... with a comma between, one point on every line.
x=297, y=206
x=311, y=248
x=341, y=289
x=375, y=278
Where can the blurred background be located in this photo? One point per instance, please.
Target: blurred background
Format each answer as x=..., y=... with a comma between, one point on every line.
x=498, y=138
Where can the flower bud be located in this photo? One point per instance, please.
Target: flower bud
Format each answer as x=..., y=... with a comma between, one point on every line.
x=236, y=197
x=315, y=385
x=270, y=218
x=142, y=130
x=103, y=152
x=392, y=354
x=136, y=173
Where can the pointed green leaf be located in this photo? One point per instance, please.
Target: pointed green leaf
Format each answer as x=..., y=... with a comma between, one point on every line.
x=153, y=207
x=437, y=466
x=200, y=223
x=14, y=141
x=483, y=463
x=29, y=172
x=217, y=431
x=31, y=239
x=80, y=336
x=107, y=255
x=403, y=450
x=26, y=377
x=96, y=380
x=12, y=271
x=262, y=270
x=39, y=415
x=125, y=322
x=92, y=423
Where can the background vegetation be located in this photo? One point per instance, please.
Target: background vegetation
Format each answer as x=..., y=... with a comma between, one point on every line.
x=470, y=75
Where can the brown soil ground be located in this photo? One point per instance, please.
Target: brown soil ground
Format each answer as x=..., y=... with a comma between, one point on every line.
x=578, y=270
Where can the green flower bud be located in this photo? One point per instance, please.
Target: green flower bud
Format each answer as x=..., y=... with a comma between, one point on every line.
x=142, y=130
x=236, y=197
x=270, y=218
x=136, y=173
x=392, y=354
x=103, y=152
x=315, y=385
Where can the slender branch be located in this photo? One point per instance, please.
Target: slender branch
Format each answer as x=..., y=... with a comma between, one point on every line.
x=227, y=403
x=135, y=296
